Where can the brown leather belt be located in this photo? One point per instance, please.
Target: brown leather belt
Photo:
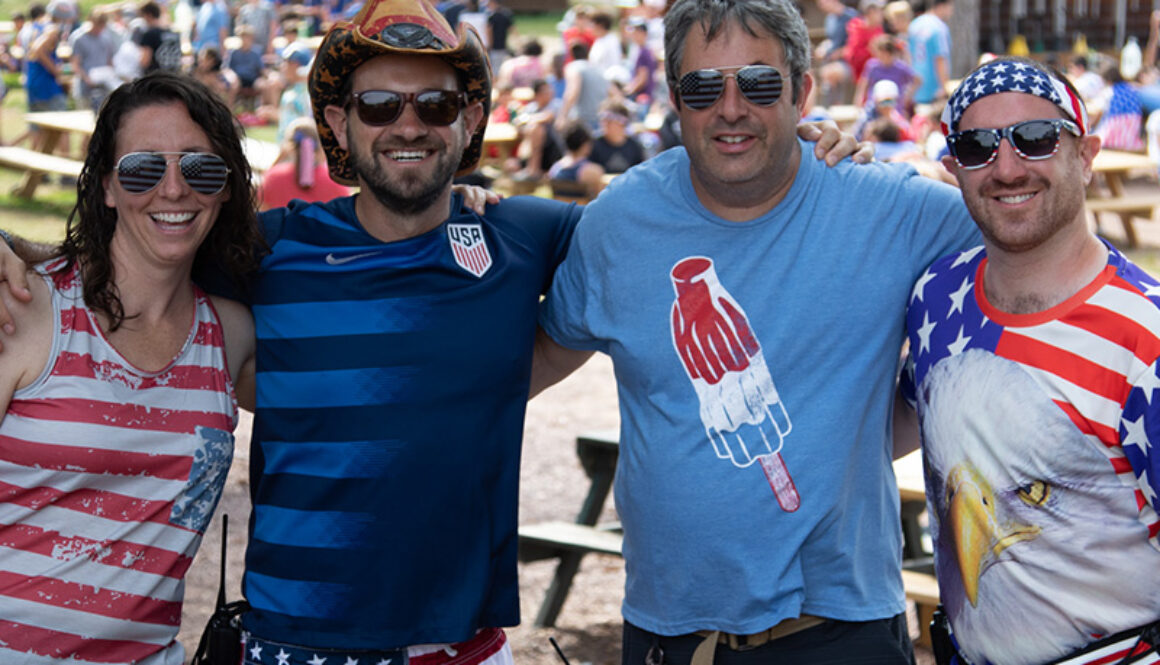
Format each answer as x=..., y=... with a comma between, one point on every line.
x=704, y=653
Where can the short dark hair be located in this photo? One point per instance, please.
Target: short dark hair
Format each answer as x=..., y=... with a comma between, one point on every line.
x=886, y=43
x=884, y=129
x=211, y=54
x=1111, y=73
x=235, y=239
x=576, y=135
x=603, y=20
x=151, y=10
x=35, y=11
x=533, y=48
x=578, y=50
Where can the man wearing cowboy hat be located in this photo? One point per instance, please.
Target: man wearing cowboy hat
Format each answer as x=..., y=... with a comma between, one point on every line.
x=397, y=329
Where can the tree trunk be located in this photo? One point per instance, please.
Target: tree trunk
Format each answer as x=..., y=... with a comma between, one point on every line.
x=964, y=26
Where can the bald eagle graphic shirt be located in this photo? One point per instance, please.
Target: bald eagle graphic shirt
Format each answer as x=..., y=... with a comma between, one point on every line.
x=1038, y=434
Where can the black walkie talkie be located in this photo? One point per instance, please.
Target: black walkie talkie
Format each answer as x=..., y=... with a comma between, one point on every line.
x=940, y=638
x=221, y=641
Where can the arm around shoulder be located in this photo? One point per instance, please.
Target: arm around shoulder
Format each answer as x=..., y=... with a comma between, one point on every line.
x=551, y=363
x=238, y=331
x=16, y=254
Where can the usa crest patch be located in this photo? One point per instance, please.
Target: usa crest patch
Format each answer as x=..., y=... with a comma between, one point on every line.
x=469, y=248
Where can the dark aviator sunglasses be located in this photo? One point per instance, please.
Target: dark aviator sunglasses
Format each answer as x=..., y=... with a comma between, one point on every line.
x=438, y=108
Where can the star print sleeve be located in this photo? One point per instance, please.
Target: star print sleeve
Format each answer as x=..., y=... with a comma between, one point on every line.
x=1139, y=432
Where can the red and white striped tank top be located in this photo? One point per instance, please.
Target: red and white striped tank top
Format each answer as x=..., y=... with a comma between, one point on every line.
x=108, y=478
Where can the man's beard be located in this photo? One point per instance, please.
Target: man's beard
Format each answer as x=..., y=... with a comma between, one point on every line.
x=412, y=193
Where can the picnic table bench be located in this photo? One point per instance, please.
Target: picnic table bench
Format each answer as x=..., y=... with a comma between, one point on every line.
x=569, y=542
x=34, y=161
x=1114, y=166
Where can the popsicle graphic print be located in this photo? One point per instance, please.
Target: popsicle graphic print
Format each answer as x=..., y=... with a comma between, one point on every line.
x=739, y=406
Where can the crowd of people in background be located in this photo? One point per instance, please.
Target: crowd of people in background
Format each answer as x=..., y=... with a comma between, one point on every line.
x=601, y=75
x=891, y=60
x=253, y=54
x=591, y=102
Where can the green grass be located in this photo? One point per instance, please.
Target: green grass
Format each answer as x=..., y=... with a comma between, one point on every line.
x=541, y=25
x=10, y=7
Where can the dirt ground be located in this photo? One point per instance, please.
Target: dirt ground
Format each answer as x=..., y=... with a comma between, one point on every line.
x=552, y=488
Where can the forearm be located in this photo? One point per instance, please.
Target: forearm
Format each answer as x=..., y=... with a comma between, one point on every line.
x=46, y=61
x=636, y=85
x=1153, y=37
x=32, y=252
x=940, y=66
x=551, y=363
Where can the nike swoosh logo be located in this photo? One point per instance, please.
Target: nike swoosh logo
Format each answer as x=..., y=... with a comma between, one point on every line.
x=333, y=260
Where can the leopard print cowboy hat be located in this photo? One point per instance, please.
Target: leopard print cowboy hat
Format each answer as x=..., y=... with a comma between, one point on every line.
x=404, y=27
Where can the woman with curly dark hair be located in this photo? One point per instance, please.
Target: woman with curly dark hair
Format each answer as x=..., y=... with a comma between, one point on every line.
x=120, y=387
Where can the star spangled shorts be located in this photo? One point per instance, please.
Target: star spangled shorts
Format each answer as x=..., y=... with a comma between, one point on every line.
x=488, y=647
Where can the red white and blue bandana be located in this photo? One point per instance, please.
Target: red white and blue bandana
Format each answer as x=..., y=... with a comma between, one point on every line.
x=1012, y=76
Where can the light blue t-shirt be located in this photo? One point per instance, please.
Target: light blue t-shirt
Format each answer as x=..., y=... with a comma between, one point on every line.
x=731, y=341
x=212, y=18
x=930, y=38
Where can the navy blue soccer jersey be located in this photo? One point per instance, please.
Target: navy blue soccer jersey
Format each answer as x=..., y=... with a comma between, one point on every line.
x=392, y=380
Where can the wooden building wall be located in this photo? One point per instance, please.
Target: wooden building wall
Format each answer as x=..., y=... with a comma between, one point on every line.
x=1053, y=25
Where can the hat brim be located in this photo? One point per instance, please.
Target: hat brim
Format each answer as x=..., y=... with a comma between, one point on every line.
x=345, y=49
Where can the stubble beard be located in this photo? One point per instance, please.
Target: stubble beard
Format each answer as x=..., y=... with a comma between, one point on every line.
x=1019, y=234
x=410, y=194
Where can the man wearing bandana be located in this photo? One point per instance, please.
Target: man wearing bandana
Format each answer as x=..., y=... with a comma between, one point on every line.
x=1033, y=367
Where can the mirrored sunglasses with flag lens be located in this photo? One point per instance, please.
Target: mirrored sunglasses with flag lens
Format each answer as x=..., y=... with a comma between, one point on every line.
x=438, y=108
x=204, y=172
x=1032, y=139
x=760, y=84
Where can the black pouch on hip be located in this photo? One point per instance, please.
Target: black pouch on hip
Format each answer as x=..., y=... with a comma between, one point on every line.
x=221, y=641
x=940, y=638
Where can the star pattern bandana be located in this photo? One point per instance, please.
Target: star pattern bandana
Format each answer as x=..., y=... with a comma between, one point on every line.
x=1011, y=76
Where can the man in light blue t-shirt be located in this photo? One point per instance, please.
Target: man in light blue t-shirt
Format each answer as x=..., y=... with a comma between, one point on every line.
x=752, y=302
x=212, y=26
x=930, y=50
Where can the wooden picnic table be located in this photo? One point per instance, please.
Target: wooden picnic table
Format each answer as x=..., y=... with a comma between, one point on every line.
x=500, y=138
x=1115, y=165
x=54, y=126
x=598, y=452
x=844, y=114
x=1112, y=167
